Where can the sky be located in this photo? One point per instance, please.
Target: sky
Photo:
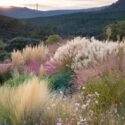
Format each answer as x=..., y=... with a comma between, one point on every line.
x=56, y=4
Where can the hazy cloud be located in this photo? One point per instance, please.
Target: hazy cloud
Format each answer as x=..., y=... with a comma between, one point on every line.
x=58, y=4
x=69, y=4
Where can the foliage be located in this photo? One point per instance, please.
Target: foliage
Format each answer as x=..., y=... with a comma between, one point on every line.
x=4, y=56
x=117, y=31
x=18, y=80
x=53, y=39
x=1, y=45
x=101, y=101
x=19, y=43
x=5, y=76
x=62, y=81
x=82, y=24
x=78, y=24
x=9, y=28
x=110, y=88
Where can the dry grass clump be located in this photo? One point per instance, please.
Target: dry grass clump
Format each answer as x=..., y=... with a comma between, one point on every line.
x=17, y=58
x=36, y=54
x=20, y=103
x=31, y=103
x=83, y=52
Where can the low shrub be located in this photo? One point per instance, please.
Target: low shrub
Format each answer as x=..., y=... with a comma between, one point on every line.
x=110, y=88
x=19, y=80
x=19, y=43
x=115, y=31
x=62, y=81
x=53, y=39
x=2, y=45
x=5, y=76
x=4, y=56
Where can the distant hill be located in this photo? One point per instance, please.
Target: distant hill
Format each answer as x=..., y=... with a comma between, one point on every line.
x=10, y=28
x=23, y=13
x=118, y=6
x=18, y=12
x=83, y=24
x=91, y=23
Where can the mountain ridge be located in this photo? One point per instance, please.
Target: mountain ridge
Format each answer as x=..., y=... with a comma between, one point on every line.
x=10, y=28
x=83, y=24
x=25, y=13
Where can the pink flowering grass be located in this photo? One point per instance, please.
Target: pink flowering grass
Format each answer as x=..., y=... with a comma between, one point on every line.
x=4, y=67
x=123, y=64
x=52, y=48
x=32, y=68
x=51, y=67
x=100, y=68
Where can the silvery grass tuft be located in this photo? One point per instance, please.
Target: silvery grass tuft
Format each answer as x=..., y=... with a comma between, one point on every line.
x=83, y=52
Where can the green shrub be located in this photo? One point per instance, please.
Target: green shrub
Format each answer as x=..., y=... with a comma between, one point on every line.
x=115, y=31
x=111, y=90
x=5, y=76
x=53, y=39
x=19, y=43
x=19, y=80
x=61, y=81
x=2, y=45
x=4, y=56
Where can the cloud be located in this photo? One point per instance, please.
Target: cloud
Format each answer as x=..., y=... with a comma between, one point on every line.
x=58, y=4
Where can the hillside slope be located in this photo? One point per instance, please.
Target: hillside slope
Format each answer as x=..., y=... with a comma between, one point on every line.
x=84, y=24
x=10, y=28
x=24, y=13
x=120, y=5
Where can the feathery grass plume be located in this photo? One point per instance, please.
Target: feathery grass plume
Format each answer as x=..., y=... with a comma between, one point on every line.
x=19, y=104
x=17, y=58
x=82, y=52
x=31, y=103
x=36, y=54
